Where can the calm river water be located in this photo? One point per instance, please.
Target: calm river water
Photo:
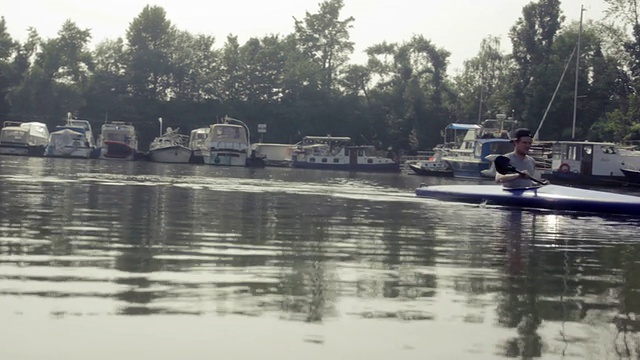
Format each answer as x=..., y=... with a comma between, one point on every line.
x=136, y=260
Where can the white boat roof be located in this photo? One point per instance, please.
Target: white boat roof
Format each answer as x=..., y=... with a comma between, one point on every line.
x=456, y=126
x=572, y=142
x=227, y=125
x=337, y=138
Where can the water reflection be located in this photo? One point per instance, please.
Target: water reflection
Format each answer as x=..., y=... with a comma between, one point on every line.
x=518, y=305
x=107, y=238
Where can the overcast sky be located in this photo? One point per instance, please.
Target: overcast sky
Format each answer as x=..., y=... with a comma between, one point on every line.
x=456, y=25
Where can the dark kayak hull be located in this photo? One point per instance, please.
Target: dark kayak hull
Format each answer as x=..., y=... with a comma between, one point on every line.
x=632, y=175
x=552, y=197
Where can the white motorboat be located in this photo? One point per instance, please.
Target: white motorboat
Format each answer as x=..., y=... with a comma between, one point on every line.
x=118, y=141
x=227, y=144
x=23, y=138
x=171, y=147
x=74, y=139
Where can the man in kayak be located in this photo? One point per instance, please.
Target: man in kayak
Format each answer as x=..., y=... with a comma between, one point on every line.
x=521, y=160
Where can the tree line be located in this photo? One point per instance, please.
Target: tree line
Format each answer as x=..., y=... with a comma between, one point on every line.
x=302, y=83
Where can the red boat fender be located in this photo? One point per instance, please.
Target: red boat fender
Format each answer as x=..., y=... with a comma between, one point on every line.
x=564, y=167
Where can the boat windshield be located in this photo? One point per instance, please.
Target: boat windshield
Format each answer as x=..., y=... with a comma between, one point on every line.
x=228, y=133
x=119, y=136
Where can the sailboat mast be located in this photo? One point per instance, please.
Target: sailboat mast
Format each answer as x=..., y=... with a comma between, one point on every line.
x=575, y=90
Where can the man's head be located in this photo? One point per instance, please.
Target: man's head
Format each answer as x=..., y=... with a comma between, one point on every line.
x=522, y=140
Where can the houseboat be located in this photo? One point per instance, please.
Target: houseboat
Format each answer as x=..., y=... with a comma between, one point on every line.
x=118, y=141
x=23, y=138
x=336, y=153
x=589, y=163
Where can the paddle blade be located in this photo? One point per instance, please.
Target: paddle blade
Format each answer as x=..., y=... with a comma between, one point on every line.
x=503, y=165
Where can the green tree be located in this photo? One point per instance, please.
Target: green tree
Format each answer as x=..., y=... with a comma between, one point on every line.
x=108, y=90
x=532, y=38
x=483, y=85
x=409, y=93
x=324, y=38
x=265, y=61
x=8, y=68
x=150, y=37
x=194, y=63
x=55, y=83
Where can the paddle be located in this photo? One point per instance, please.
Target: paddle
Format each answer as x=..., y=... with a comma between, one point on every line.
x=503, y=166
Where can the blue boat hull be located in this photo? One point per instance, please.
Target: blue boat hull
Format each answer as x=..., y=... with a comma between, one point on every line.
x=553, y=197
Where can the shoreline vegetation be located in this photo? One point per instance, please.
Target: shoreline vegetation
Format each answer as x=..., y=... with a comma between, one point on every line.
x=303, y=83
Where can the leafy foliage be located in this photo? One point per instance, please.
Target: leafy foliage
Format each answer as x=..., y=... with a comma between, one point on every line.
x=303, y=84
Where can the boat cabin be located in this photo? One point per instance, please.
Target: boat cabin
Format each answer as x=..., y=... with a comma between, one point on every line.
x=588, y=158
x=27, y=133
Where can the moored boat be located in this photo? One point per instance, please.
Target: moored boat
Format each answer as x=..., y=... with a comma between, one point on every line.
x=427, y=168
x=335, y=153
x=23, y=138
x=198, y=144
x=73, y=140
x=589, y=163
x=227, y=144
x=118, y=141
x=552, y=197
x=274, y=154
x=470, y=157
x=170, y=148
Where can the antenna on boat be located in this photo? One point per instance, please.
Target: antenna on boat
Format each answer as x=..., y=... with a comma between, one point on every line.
x=160, y=121
x=575, y=90
x=480, y=106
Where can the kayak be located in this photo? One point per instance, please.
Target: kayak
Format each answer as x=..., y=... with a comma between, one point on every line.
x=553, y=197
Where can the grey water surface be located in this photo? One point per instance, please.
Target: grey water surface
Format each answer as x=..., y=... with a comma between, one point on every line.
x=138, y=260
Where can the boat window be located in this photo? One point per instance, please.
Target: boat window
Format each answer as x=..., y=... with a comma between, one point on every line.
x=501, y=147
x=608, y=149
x=571, y=152
x=324, y=160
x=360, y=152
x=346, y=152
x=312, y=160
x=12, y=135
x=370, y=161
x=335, y=160
x=556, y=151
x=228, y=132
